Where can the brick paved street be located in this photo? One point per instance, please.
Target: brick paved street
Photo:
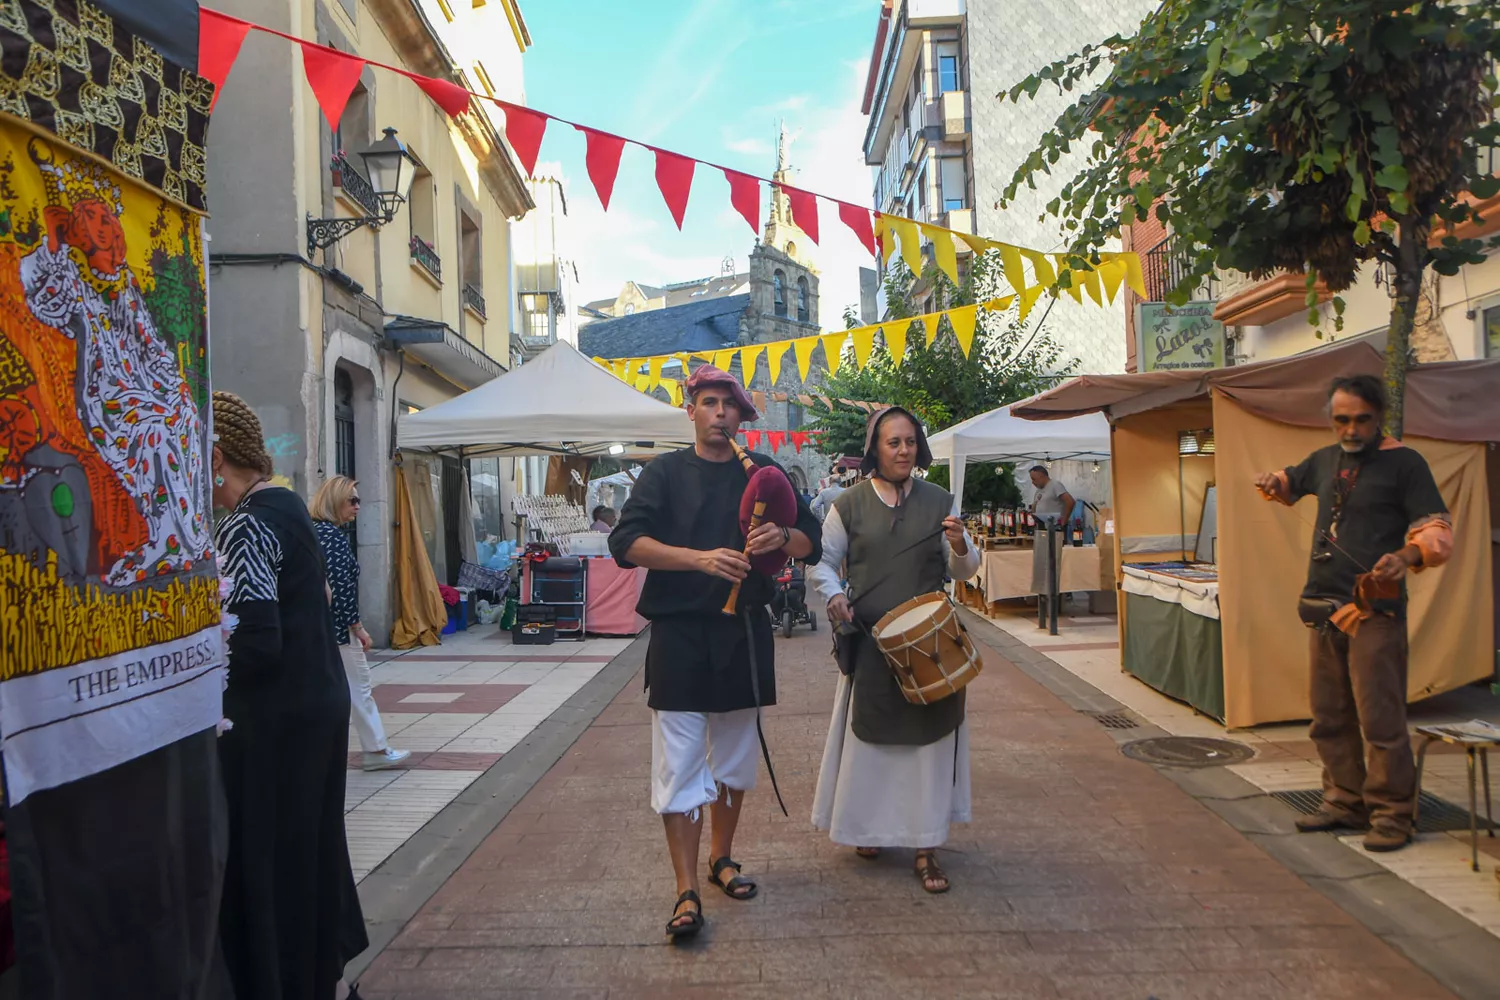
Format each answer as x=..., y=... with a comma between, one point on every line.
x=1083, y=875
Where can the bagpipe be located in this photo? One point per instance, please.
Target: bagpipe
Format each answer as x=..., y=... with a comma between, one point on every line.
x=769, y=497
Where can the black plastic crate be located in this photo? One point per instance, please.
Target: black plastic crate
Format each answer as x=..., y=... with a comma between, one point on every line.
x=536, y=625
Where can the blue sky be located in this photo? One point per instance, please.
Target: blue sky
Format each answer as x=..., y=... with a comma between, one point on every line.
x=707, y=78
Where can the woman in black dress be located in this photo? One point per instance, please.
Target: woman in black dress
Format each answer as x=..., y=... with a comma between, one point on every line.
x=291, y=918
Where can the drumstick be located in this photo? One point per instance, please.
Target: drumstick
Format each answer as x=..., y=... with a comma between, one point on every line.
x=756, y=516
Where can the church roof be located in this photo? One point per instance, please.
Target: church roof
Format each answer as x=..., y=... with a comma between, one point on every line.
x=705, y=324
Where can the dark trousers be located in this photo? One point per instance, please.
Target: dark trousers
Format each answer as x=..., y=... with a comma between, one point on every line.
x=1359, y=720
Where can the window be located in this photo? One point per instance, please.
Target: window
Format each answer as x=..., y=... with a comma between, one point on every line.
x=471, y=259
x=778, y=290
x=424, y=235
x=353, y=134
x=343, y=432
x=955, y=183
x=791, y=248
x=1490, y=320
x=630, y=309
x=922, y=193
x=794, y=416
x=802, y=308
x=947, y=73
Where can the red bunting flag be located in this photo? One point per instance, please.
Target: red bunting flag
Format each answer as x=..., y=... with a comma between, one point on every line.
x=603, y=161
x=744, y=195
x=219, y=39
x=332, y=75
x=776, y=438
x=752, y=439
x=445, y=93
x=804, y=210
x=524, y=129
x=799, y=438
x=858, y=219
x=674, y=176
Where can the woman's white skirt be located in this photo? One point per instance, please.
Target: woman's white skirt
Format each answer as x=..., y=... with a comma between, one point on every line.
x=872, y=795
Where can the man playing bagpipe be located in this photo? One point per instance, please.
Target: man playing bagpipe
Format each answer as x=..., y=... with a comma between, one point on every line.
x=712, y=531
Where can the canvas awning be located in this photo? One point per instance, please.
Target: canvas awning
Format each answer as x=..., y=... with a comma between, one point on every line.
x=998, y=436
x=1448, y=401
x=560, y=403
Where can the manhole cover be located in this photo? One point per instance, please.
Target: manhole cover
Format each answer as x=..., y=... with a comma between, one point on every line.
x=1187, y=751
x=1434, y=816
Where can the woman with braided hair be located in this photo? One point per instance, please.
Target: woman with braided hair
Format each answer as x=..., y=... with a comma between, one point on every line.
x=290, y=919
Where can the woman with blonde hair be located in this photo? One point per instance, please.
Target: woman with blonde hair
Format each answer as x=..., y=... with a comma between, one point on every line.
x=336, y=504
x=290, y=918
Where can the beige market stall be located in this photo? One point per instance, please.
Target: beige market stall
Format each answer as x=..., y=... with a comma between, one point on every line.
x=1225, y=637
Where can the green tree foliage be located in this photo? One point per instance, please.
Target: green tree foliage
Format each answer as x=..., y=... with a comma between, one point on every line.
x=1007, y=361
x=1274, y=135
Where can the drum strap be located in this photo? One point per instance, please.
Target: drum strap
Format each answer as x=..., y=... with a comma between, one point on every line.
x=765, y=751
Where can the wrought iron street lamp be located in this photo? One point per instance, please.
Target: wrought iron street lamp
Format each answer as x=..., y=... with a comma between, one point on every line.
x=390, y=167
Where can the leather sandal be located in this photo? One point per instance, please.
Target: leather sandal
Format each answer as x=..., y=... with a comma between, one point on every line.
x=868, y=853
x=928, y=871
x=737, y=886
x=676, y=927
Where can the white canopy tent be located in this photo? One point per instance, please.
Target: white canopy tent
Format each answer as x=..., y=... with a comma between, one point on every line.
x=997, y=436
x=560, y=403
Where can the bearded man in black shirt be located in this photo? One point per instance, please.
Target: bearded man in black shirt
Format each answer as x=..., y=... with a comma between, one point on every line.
x=1379, y=515
x=708, y=673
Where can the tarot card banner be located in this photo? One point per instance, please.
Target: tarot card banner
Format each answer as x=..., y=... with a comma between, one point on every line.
x=109, y=611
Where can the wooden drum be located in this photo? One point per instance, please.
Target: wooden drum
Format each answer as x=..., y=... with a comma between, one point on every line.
x=928, y=648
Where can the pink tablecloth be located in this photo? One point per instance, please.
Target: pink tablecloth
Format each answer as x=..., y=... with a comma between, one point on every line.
x=611, y=597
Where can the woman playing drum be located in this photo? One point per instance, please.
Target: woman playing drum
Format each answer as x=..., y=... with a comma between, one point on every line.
x=894, y=773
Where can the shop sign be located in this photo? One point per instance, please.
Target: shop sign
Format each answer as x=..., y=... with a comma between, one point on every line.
x=1175, y=338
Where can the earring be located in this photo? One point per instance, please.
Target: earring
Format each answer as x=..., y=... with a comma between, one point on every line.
x=218, y=480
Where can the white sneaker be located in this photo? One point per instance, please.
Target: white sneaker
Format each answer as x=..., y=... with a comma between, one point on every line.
x=382, y=759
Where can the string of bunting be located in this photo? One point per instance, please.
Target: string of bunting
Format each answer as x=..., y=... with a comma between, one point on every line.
x=646, y=373
x=333, y=75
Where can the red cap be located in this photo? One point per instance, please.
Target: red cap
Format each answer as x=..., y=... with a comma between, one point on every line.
x=708, y=375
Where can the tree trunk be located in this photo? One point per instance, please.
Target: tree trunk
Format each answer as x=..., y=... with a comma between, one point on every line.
x=1411, y=259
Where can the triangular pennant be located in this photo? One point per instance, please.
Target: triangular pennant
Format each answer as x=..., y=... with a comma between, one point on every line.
x=804, y=210
x=776, y=439
x=930, y=322
x=674, y=177
x=963, y=319
x=858, y=220
x=752, y=440
x=602, y=157
x=833, y=349
x=774, y=354
x=998, y=305
x=723, y=360
x=1133, y=276
x=1028, y=299
x=1091, y=285
x=524, y=129
x=864, y=342
x=332, y=75
x=799, y=438
x=748, y=357
x=1045, y=276
x=942, y=248
x=804, y=348
x=1112, y=273
x=977, y=243
x=1075, y=283
x=911, y=244
x=895, y=340
x=744, y=195
x=219, y=39
x=444, y=93
x=1015, y=271
x=885, y=238
x=653, y=372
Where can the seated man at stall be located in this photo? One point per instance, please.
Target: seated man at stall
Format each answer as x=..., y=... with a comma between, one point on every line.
x=1052, y=501
x=604, y=519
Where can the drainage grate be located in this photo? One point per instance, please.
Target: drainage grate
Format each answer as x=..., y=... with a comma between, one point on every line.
x=1434, y=816
x=1113, y=720
x=1187, y=751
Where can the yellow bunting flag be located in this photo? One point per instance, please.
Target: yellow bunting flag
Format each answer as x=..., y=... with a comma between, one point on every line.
x=930, y=321
x=1045, y=276
x=1091, y=285
x=1112, y=272
x=1000, y=304
x=978, y=243
x=1133, y=276
x=674, y=390
x=723, y=360
x=1015, y=271
x=1028, y=299
x=942, y=249
x=1075, y=283
x=653, y=373
x=864, y=342
x=748, y=357
x=895, y=340
x=963, y=319
x=682, y=359
x=833, y=349
x=774, y=353
x=911, y=244
x=803, y=346
x=886, y=238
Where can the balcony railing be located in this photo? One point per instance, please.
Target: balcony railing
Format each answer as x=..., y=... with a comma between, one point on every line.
x=1166, y=265
x=474, y=299
x=422, y=253
x=347, y=178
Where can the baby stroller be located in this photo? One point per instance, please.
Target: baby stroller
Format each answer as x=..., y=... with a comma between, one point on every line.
x=789, y=602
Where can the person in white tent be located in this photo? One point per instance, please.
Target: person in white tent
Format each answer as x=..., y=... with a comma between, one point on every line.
x=894, y=774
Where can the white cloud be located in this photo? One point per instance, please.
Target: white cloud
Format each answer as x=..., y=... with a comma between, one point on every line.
x=747, y=145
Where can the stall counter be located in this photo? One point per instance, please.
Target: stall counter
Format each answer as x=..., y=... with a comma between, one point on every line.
x=1173, y=640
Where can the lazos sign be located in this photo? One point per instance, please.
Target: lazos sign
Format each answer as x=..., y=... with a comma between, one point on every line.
x=1174, y=338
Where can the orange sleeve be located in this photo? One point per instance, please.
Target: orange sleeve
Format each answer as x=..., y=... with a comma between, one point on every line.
x=1434, y=539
